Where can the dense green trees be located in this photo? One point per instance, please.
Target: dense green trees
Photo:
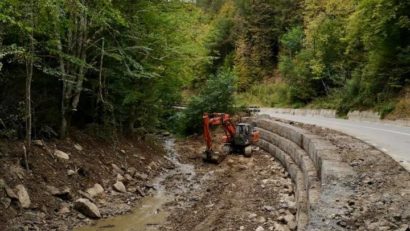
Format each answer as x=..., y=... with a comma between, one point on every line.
x=119, y=66
x=355, y=53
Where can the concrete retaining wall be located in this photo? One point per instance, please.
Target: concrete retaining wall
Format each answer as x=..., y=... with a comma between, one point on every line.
x=323, y=182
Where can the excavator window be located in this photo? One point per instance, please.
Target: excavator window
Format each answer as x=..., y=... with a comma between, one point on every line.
x=243, y=129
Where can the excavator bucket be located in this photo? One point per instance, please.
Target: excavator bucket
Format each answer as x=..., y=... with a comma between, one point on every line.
x=213, y=157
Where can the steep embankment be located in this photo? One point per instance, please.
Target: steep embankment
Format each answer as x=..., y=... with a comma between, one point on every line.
x=63, y=171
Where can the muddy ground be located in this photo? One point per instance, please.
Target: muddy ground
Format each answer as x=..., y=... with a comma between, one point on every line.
x=239, y=194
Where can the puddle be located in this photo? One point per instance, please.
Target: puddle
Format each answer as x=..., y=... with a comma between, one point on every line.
x=149, y=214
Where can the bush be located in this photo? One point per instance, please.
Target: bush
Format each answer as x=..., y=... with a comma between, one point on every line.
x=265, y=95
x=216, y=96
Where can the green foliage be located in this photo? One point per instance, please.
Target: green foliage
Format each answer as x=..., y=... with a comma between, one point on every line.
x=265, y=95
x=130, y=60
x=127, y=60
x=354, y=55
x=216, y=96
x=259, y=26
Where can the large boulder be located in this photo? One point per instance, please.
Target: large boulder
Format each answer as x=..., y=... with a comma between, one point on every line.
x=120, y=187
x=96, y=190
x=87, y=208
x=61, y=155
x=23, y=196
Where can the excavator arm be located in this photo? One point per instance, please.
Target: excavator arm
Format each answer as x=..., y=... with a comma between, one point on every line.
x=216, y=119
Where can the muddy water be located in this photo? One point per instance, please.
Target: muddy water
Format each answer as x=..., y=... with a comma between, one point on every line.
x=149, y=215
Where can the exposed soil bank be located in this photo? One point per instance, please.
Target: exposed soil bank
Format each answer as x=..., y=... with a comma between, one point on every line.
x=54, y=183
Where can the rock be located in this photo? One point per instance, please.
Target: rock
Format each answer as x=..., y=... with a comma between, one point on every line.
x=165, y=133
x=86, y=195
x=96, y=190
x=10, y=193
x=64, y=194
x=116, y=169
x=230, y=162
x=33, y=216
x=252, y=215
x=141, y=157
x=288, y=219
x=38, y=143
x=128, y=177
x=87, y=208
x=78, y=147
x=242, y=167
x=71, y=172
x=149, y=186
x=132, y=189
x=242, y=227
x=62, y=155
x=404, y=228
x=131, y=171
x=292, y=207
x=261, y=220
x=140, y=192
x=122, y=151
x=120, y=187
x=292, y=225
x=279, y=227
x=268, y=208
x=6, y=202
x=64, y=208
x=120, y=177
x=141, y=176
x=260, y=228
x=23, y=196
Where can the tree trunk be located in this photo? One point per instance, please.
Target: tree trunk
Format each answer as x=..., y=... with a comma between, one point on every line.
x=83, y=55
x=63, y=125
x=100, y=82
x=29, y=77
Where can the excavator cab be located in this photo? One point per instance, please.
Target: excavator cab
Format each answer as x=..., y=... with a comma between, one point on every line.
x=243, y=134
x=244, y=137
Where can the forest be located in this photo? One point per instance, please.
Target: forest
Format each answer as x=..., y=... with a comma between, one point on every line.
x=111, y=67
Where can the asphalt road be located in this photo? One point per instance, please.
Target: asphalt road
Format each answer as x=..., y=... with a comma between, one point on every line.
x=392, y=139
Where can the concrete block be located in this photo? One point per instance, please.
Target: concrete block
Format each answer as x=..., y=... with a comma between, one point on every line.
x=335, y=172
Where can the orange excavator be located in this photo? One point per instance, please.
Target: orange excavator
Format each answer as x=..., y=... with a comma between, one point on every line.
x=237, y=139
